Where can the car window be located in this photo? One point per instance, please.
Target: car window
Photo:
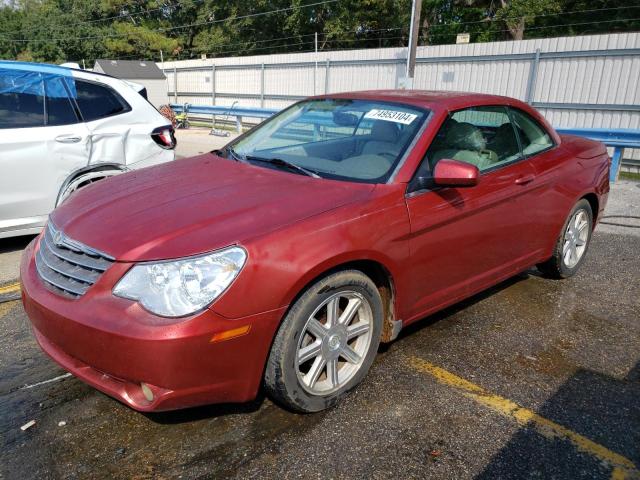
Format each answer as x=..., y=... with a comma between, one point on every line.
x=59, y=108
x=98, y=101
x=533, y=136
x=21, y=100
x=356, y=140
x=310, y=127
x=482, y=136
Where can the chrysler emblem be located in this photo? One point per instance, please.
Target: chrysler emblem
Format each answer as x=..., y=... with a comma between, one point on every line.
x=58, y=238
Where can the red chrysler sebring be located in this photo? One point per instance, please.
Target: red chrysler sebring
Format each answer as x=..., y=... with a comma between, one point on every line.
x=285, y=258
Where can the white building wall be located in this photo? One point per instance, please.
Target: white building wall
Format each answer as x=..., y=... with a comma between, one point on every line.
x=585, y=86
x=156, y=91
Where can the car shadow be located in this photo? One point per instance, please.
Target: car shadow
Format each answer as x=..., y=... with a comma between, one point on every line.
x=599, y=407
x=458, y=307
x=14, y=244
x=206, y=411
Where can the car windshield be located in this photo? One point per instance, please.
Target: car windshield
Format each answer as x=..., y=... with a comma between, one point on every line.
x=355, y=140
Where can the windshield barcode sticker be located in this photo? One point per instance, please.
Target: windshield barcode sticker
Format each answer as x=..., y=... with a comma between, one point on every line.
x=391, y=116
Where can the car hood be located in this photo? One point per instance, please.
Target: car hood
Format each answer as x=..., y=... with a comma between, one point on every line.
x=194, y=206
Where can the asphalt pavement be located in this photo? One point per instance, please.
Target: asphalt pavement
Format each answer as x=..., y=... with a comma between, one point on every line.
x=197, y=140
x=534, y=378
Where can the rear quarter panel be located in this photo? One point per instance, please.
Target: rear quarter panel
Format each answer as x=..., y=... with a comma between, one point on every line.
x=575, y=168
x=126, y=138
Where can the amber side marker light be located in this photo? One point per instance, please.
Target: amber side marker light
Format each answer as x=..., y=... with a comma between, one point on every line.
x=229, y=334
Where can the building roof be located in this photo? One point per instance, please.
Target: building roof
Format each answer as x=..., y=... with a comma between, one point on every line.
x=130, y=69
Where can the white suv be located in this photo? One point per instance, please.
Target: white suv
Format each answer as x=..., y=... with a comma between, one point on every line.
x=61, y=129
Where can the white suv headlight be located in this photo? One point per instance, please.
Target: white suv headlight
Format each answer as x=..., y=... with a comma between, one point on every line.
x=178, y=288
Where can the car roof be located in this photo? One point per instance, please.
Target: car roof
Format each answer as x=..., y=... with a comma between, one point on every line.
x=35, y=67
x=47, y=68
x=430, y=99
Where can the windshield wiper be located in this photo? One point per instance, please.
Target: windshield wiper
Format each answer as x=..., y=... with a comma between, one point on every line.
x=278, y=162
x=232, y=154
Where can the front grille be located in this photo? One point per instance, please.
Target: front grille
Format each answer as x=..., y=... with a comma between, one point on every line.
x=67, y=266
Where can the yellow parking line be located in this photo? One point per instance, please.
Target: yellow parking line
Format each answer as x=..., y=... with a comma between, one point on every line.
x=623, y=468
x=11, y=288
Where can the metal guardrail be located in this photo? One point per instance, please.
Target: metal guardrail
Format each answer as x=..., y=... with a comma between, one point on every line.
x=233, y=111
x=618, y=139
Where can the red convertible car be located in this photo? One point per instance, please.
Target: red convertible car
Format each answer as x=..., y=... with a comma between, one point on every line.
x=285, y=258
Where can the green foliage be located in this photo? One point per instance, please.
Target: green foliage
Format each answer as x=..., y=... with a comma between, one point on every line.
x=138, y=39
x=76, y=30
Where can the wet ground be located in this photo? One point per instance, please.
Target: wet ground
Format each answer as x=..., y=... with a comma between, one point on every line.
x=533, y=379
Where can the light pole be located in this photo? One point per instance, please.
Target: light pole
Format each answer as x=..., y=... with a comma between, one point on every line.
x=414, y=32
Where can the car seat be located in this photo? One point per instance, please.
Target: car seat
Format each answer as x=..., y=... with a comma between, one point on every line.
x=504, y=143
x=384, y=139
x=466, y=142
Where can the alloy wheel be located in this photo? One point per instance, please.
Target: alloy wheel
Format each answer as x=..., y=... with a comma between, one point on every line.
x=334, y=342
x=575, y=238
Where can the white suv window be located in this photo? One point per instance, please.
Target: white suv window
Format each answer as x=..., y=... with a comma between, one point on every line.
x=98, y=101
x=60, y=110
x=22, y=109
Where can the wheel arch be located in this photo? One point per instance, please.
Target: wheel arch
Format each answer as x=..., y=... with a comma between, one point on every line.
x=89, y=171
x=592, y=198
x=375, y=268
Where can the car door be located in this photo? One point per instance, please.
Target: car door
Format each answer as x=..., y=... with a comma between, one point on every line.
x=549, y=204
x=42, y=141
x=464, y=239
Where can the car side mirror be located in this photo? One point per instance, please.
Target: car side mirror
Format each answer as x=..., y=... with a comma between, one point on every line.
x=455, y=173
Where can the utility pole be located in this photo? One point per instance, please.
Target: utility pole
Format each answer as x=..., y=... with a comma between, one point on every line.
x=414, y=33
x=315, y=70
x=166, y=79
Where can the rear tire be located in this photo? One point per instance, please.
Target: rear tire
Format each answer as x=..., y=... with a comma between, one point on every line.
x=326, y=343
x=573, y=243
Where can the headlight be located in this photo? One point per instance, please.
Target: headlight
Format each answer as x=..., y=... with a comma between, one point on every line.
x=181, y=287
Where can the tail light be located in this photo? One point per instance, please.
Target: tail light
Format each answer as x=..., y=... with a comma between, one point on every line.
x=165, y=137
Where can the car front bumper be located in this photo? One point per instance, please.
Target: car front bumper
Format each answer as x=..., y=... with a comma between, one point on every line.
x=109, y=343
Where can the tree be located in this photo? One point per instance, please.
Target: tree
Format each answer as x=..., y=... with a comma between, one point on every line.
x=76, y=30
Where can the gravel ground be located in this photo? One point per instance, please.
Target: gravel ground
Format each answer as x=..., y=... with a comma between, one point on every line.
x=622, y=213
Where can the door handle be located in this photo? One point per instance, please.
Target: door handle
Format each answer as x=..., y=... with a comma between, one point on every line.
x=524, y=179
x=68, y=139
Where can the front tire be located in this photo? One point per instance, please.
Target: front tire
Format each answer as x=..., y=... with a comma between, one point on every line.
x=571, y=248
x=326, y=343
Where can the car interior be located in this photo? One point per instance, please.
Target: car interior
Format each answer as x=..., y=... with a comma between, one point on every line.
x=487, y=138
x=364, y=150
x=483, y=147
x=347, y=143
